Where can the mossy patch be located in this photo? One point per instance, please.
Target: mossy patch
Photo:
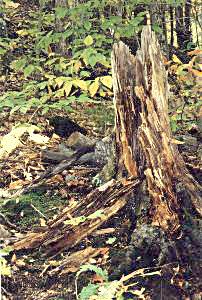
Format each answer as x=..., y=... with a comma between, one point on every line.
x=102, y=116
x=27, y=210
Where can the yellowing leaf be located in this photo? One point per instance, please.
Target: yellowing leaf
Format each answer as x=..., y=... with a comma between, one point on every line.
x=102, y=93
x=197, y=73
x=88, y=40
x=195, y=52
x=17, y=184
x=81, y=84
x=39, y=139
x=107, y=81
x=42, y=222
x=5, y=269
x=59, y=81
x=22, y=32
x=93, y=88
x=77, y=66
x=67, y=88
x=176, y=59
x=11, y=4
x=11, y=141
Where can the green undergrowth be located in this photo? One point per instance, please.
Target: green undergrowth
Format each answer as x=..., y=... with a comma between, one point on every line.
x=102, y=115
x=28, y=210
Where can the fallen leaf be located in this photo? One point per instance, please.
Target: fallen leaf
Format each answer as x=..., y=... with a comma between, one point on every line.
x=39, y=139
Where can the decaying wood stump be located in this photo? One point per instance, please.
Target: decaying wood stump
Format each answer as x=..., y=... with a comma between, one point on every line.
x=144, y=141
x=146, y=152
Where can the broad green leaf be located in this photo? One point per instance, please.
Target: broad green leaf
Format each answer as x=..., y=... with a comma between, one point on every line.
x=85, y=74
x=42, y=85
x=88, y=40
x=61, y=12
x=92, y=60
x=87, y=25
x=88, y=291
x=77, y=66
x=19, y=64
x=28, y=70
x=106, y=81
x=5, y=270
x=83, y=98
x=93, y=88
x=111, y=240
x=5, y=251
x=176, y=59
x=97, y=270
x=157, y=28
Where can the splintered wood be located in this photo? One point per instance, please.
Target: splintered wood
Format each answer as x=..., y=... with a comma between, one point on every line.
x=76, y=222
x=143, y=135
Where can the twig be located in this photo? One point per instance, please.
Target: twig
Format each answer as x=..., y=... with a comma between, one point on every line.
x=39, y=212
x=7, y=222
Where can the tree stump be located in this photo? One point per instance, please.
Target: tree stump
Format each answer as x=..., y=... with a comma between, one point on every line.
x=144, y=140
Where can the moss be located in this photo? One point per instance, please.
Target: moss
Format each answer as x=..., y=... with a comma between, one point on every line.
x=22, y=213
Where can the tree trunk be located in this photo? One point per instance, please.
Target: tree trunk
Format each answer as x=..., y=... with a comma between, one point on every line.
x=187, y=22
x=157, y=15
x=180, y=26
x=60, y=27
x=171, y=31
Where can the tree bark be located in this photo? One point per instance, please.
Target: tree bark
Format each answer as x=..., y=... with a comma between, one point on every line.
x=187, y=22
x=60, y=27
x=171, y=31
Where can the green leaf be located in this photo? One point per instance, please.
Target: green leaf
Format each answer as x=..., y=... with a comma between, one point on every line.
x=5, y=251
x=97, y=270
x=28, y=70
x=85, y=74
x=88, y=40
x=157, y=28
x=61, y=12
x=19, y=64
x=87, y=25
x=92, y=60
x=88, y=291
x=83, y=98
x=111, y=240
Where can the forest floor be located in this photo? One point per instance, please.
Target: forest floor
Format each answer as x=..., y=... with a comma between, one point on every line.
x=31, y=276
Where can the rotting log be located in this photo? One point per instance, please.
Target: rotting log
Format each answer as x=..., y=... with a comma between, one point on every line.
x=146, y=153
x=61, y=233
